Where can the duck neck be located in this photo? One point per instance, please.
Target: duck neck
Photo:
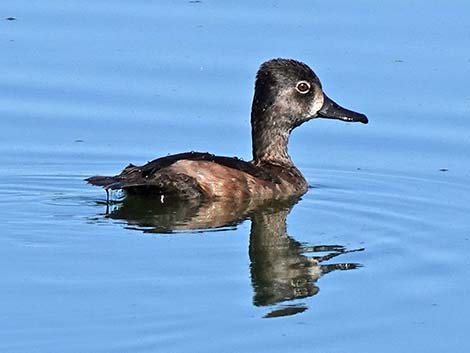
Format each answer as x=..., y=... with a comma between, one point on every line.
x=270, y=138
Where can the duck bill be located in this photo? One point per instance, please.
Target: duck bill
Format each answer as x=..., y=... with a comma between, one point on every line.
x=331, y=110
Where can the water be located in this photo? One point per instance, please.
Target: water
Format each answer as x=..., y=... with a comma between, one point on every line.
x=373, y=258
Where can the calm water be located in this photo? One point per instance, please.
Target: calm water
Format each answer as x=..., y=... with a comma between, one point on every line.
x=374, y=258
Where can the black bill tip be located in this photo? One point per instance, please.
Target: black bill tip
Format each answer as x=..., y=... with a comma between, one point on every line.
x=360, y=118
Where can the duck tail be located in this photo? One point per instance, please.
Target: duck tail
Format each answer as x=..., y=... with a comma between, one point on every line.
x=107, y=182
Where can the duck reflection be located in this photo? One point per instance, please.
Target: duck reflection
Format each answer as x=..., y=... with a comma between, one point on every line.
x=282, y=269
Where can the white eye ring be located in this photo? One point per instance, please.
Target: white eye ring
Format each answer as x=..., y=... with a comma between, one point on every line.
x=303, y=87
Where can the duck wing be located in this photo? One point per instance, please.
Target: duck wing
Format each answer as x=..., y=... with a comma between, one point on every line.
x=156, y=177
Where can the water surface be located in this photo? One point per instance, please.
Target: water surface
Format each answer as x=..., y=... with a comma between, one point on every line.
x=373, y=258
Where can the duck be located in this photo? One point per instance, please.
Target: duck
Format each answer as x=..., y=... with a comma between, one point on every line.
x=287, y=94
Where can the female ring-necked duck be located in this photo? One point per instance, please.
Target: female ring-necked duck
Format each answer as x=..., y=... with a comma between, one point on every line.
x=287, y=94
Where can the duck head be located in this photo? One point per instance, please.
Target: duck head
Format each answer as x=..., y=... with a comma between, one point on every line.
x=287, y=94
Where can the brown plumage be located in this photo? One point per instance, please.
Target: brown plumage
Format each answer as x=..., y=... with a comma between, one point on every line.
x=287, y=94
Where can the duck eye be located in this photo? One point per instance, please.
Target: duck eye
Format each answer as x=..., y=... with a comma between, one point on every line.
x=303, y=87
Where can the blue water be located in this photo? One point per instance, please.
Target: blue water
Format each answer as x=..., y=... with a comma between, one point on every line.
x=88, y=87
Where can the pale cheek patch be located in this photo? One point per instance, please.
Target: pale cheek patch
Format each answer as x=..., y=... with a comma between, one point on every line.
x=317, y=103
